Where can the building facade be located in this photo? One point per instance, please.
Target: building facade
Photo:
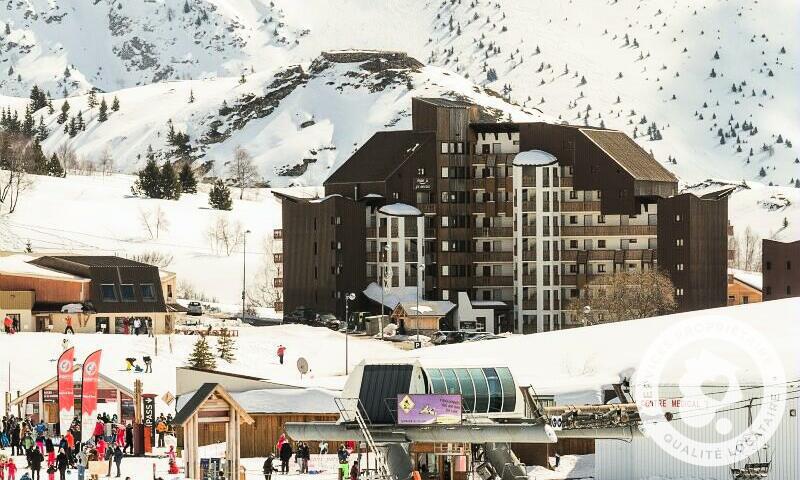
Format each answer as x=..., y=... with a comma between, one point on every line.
x=520, y=216
x=779, y=266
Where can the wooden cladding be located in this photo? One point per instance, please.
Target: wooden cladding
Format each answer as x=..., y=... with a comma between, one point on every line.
x=47, y=290
x=608, y=230
x=592, y=206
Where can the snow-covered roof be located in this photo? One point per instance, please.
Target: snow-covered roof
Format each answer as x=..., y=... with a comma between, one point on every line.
x=428, y=307
x=392, y=296
x=400, y=210
x=279, y=400
x=754, y=279
x=320, y=200
x=488, y=303
x=579, y=363
x=534, y=158
x=17, y=264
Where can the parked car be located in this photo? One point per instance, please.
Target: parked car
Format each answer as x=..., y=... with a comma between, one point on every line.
x=194, y=308
x=328, y=320
x=299, y=315
x=444, y=337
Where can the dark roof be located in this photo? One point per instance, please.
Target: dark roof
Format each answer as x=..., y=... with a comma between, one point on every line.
x=383, y=153
x=97, y=260
x=194, y=403
x=176, y=307
x=499, y=127
x=445, y=102
x=629, y=155
x=719, y=194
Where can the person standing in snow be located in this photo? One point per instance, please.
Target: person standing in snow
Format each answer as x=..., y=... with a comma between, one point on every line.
x=281, y=352
x=117, y=460
x=62, y=462
x=269, y=467
x=12, y=469
x=8, y=324
x=137, y=324
x=68, y=328
x=128, y=438
x=35, y=459
x=285, y=454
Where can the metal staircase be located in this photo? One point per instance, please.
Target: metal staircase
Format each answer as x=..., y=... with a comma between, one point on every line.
x=352, y=411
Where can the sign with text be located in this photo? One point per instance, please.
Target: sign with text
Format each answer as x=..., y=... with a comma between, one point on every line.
x=428, y=409
x=149, y=409
x=422, y=183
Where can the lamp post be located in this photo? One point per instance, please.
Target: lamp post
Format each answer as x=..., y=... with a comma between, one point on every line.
x=350, y=297
x=385, y=254
x=420, y=268
x=244, y=271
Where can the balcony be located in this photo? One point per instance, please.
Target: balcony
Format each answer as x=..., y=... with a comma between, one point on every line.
x=529, y=230
x=568, y=280
x=372, y=232
x=427, y=207
x=593, y=206
x=529, y=206
x=494, y=281
x=528, y=181
x=411, y=280
x=529, y=279
x=410, y=229
x=494, y=232
x=608, y=230
x=372, y=257
x=493, y=256
x=566, y=181
x=529, y=255
x=529, y=304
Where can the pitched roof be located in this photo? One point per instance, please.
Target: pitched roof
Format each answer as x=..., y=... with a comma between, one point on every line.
x=427, y=308
x=629, y=155
x=98, y=260
x=77, y=366
x=23, y=265
x=445, y=102
x=381, y=155
x=200, y=396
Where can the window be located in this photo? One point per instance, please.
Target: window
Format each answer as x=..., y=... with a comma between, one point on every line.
x=679, y=242
x=769, y=265
x=573, y=268
x=601, y=219
x=573, y=244
x=445, y=172
x=445, y=270
x=338, y=220
x=421, y=172
x=601, y=268
x=445, y=221
x=677, y=218
x=149, y=294
x=573, y=195
x=601, y=244
x=109, y=292
x=679, y=267
x=788, y=265
x=444, y=147
x=745, y=299
x=679, y=292
x=573, y=219
x=445, y=245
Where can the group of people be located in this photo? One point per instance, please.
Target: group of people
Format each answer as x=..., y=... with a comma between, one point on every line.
x=302, y=454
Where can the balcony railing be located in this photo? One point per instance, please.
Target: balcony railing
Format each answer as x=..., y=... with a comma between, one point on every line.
x=529, y=304
x=528, y=206
x=494, y=281
x=427, y=207
x=529, y=230
x=494, y=232
x=493, y=256
x=528, y=181
x=607, y=230
x=529, y=279
x=529, y=255
x=593, y=206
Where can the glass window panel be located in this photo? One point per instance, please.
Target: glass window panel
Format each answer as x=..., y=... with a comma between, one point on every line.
x=437, y=382
x=451, y=381
x=109, y=292
x=126, y=290
x=495, y=390
x=467, y=389
x=481, y=390
x=509, y=389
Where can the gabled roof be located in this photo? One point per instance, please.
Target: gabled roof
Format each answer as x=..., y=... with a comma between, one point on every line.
x=24, y=265
x=201, y=395
x=629, y=155
x=380, y=156
x=427, y=308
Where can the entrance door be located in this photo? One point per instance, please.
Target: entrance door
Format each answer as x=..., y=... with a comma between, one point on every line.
x=14, y=321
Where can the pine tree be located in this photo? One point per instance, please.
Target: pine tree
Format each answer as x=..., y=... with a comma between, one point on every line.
x=201, y=356
x=187, y=180
x=28, y=123
x=115, y=104
x=220, y=196
x=73, y=127
x=168, y=182
x=50, y=108
x=226, y=346
x=148, y=183
x=38, y=99
x=64, y=115
x=54, y=168
x=102, y=115
x=41, y=130
x=92, y=101
x=81, y=124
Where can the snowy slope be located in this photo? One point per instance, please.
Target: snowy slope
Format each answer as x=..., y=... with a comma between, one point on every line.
x=670, y=50
x=298, y=122
x=92, y=214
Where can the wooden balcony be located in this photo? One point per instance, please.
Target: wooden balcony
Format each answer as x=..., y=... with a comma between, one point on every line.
x=566, y=181
x=494, y=281
x=608, y=230
x=483, y=232
x=372, y=257
x=493, y=256
x=568, y=280
x=372, y=232
x=593, y=206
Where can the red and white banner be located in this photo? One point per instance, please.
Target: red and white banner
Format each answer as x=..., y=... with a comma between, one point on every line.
x=91, y=375
x=66, y=389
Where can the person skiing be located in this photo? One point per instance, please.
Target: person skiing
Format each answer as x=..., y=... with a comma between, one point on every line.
x=269, y=467
x=281, y=352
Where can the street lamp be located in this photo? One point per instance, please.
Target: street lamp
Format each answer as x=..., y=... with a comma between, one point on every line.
x=244, y=271
x=349, y=298
x=420, y=269
x=383, y=281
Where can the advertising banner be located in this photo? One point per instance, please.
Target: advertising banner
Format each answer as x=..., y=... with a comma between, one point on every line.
x=66, y=392
x=91, y=375
x=419, y=409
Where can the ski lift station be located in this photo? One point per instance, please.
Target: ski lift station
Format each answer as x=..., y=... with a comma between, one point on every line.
x=490, y=407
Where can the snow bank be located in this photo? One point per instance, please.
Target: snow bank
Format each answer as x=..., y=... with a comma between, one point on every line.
x=400, y=210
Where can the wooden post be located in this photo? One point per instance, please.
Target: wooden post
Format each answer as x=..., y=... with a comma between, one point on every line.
x=137, y=401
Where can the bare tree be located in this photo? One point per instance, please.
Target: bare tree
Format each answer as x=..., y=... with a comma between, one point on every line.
x=264, y=293
x=625, y=296
x=224, y=236
x=242, y=170
x=15, y=161
x=153, y=257
x=154, y=221
x=106, y=162
x=67, y=156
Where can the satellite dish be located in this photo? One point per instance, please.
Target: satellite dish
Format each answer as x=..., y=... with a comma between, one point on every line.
x=302, y=365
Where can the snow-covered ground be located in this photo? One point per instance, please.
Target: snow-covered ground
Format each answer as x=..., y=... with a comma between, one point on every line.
x=573, y=467
x=30, y=357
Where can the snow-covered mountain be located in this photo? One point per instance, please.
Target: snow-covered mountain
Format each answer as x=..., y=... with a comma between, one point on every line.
x=628, y=64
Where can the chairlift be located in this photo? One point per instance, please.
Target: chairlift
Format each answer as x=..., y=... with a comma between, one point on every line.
x=757, y=465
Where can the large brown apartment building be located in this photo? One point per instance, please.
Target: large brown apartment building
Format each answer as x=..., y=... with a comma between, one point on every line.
x=520, y=216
